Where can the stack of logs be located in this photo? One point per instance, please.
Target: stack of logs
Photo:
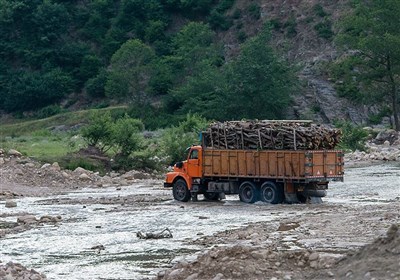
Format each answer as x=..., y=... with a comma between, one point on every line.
x=270, y=135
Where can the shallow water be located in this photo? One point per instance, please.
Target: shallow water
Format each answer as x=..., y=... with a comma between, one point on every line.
x=63, y=251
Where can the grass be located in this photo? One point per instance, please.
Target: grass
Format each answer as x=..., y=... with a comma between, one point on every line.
x=27, y=127
x=34, y=138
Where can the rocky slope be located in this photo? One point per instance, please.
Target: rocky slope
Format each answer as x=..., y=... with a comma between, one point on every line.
x=296, y=38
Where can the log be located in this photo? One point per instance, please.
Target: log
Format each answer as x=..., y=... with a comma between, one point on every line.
x=166, y=233
x=271, y=135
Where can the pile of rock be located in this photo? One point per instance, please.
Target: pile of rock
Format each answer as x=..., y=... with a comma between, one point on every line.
x=11, y=271
x=19, y=170
x=246, y=262
x=384, y=147
x=25, y=222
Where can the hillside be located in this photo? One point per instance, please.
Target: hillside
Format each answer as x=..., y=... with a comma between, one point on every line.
x=242, y=59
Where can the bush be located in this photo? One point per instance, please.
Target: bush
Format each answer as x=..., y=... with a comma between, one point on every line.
x=353, y=136
x=319, y=10
x=177, y=139
x=49, y=111
x=254, y=11
x=98, y=132
x=324, y=29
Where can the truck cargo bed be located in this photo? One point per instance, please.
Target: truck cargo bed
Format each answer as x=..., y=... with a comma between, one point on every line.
x=304, y=166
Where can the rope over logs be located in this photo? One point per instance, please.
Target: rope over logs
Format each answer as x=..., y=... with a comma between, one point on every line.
x=270, y=135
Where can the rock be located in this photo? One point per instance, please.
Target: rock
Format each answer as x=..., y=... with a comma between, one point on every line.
x=84, y=177
x=193, y=276
x=314, y=264
x=1, y=152
x=56, y=166
x=10, y=204
x=386, y=143
x=65, y=175
x=174, y=273
x=219, y=276
x=2, y=161
x=80, y=170
x=313, y=257
x=45, y=166
x=30, y=165
x=27, y=219
x=14, y=153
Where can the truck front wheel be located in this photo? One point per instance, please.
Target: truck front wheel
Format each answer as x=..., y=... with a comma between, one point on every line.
x=248, y=192
x=271, y=193
x=180, y=191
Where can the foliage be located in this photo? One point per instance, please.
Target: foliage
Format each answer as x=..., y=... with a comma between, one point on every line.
x=177, y=139
x=130, y=71
x=353, y=136
x=324, y=29
x=259, y=82
x=319, y=10
x=373, y=36
x=254, y=10
x=99, y=131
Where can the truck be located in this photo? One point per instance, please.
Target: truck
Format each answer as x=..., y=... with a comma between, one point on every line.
x=270, y=175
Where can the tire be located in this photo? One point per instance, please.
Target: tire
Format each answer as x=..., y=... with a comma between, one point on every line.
x=211, y=196
x=271, y=193
x=180, y=191
x=248, y=192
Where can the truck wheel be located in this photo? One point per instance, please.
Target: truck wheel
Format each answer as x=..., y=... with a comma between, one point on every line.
x=271, y=193
x=211, y=196
x=180, y=191
x=248, y=192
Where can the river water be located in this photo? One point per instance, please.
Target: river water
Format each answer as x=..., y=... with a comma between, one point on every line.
x=63, y=251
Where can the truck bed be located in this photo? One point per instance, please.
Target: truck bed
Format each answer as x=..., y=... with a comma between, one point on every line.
x=315, y=165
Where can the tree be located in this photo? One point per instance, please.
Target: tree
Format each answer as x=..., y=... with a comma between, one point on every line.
x=130, y=72
x=371, y=34
x=259, y=83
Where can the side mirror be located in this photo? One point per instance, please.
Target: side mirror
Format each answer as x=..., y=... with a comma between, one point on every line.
x=179, y=164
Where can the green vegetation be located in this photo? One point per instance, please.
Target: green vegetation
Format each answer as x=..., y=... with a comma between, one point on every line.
x=372, y=34
x=353, y=136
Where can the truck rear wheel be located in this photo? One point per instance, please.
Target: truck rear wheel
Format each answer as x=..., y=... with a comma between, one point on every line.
x=271, y=193
x=180, y=191
x=248, y=192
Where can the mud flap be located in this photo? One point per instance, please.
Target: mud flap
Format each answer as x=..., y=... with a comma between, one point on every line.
x=315, y=200
x=291, y=198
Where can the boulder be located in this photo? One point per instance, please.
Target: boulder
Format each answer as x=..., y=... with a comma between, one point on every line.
x=2, y=161
x=10, y=204
x=46, y=165
x=56, y=166
x=14, y=153
x=80, y=170
x=27, y=219
x=84, y=177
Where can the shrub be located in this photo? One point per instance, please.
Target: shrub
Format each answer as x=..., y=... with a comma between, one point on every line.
x=353, y=136
x=319, y=10
x=324, y=29
x=177, y=139
x=99, y=131
x=254, y=10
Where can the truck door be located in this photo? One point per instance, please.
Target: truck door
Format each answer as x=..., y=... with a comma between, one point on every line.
x=193, y=163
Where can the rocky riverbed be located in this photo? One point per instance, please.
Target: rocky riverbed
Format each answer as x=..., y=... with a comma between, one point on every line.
x=84, y=227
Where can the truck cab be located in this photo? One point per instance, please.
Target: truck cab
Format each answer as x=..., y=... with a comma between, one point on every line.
x=186, y=173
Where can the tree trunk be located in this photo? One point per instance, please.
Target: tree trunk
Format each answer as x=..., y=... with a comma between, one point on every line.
x=395, y=106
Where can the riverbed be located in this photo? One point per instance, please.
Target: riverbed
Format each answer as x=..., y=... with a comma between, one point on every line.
x=111, y=217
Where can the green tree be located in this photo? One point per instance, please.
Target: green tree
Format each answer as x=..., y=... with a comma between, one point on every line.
x=99, y=131
x=259, y=82
x=371, y=32
x=177, y=139
x=130, y=72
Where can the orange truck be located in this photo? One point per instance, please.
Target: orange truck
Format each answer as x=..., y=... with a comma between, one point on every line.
x=272, y=176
